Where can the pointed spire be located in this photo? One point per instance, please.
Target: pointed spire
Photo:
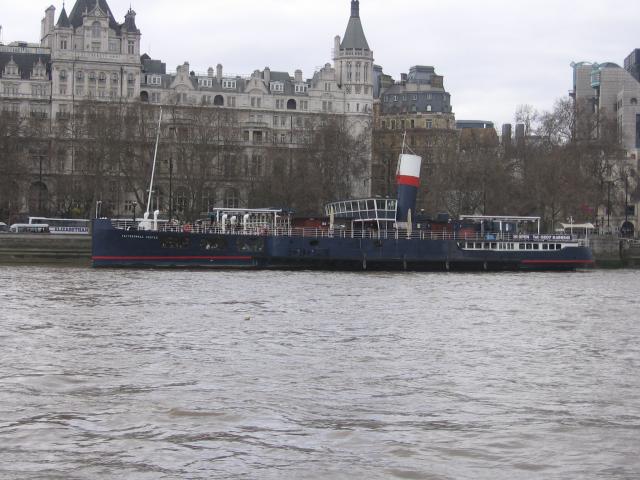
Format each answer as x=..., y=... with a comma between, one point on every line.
x=63, y=19
x=130, y=21
x=354, y=36
x=355, y=8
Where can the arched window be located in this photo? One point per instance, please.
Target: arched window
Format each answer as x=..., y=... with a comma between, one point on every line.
x=181, y=200
x=634, y=101
x=102, y=77
x=9, y=196
x=208, y=200
x=96, y=30
x=63, y=75
x=144, y=96
x=218, y=100
x=114, y=78
x=231, y=198
x=38, y=198
x=291, y=104
x=80, y=76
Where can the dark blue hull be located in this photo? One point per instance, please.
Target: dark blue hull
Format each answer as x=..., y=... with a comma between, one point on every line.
x=120, y=248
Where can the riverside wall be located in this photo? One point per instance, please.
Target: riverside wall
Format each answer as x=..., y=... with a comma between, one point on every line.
x=610, y=251
x=45, y=248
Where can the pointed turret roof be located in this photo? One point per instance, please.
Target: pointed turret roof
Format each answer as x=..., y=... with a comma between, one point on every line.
x=63, y=20
x=354, y=36
x=130, y=21
x=83, y=6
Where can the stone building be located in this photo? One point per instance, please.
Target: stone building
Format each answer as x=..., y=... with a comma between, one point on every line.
x=415, y=110
x=88, y=58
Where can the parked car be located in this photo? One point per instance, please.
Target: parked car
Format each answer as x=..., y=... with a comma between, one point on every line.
x=4, y=228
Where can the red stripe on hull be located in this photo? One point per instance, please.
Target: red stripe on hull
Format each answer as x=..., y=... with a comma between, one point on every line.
x=126, y=259
x=407, y=180
x=588, y=262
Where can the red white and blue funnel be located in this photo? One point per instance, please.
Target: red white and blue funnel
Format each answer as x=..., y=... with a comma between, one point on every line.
x=408, y=181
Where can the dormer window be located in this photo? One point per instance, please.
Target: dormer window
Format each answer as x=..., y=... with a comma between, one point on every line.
x=11, y=69
x=277, y=87
x=228, y=83
x=301, y=88
x=38, y=71
x=203, y=82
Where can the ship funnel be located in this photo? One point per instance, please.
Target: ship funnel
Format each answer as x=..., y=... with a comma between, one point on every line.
x=408, y=181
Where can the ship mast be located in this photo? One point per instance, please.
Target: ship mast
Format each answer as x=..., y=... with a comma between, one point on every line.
x=153, y=169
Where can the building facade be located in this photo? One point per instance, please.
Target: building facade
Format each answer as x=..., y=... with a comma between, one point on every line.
x=86, y=57
x=609, y=94
x=415, y=112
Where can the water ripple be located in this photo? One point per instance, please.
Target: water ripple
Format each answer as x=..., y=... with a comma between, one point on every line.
x=272, y=375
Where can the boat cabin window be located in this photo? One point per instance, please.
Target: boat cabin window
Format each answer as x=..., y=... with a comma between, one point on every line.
x=174, y=242
x=536, y=246
x=545, y=246
x=521, y=246
x=558, y=246
x=251, y=245
x=214, y=244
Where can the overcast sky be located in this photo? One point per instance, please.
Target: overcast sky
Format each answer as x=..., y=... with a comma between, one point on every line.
x=494, y=54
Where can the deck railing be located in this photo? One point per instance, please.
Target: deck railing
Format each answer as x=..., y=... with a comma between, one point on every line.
x=200, y=228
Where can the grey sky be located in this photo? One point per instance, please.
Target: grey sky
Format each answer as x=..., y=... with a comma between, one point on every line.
x=494, y=55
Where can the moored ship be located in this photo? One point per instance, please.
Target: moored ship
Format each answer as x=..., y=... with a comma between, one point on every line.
x=362, y=234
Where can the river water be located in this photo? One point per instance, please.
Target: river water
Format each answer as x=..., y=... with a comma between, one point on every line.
x=275, y=375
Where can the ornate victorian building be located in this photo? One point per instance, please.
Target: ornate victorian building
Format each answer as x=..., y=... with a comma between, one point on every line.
x=87, y=62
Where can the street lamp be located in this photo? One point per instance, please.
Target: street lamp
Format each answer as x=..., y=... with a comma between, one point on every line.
x=40, y=186
x=571, y=224
x=609, y=206
x=170, y=188
x=626, y=198
x=135, y=204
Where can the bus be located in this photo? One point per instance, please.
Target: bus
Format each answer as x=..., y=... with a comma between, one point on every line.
x=29, y=228
x=63, y=225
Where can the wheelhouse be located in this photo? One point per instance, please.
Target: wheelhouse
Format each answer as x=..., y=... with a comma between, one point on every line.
x=379, y=212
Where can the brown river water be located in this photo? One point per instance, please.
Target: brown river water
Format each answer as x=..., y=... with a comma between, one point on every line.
x=274, y=375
